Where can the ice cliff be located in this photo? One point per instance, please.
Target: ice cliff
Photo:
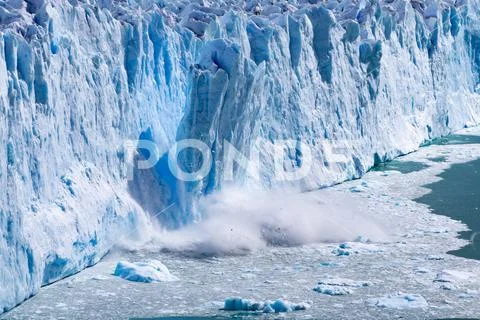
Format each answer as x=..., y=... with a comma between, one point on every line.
x=78, y=78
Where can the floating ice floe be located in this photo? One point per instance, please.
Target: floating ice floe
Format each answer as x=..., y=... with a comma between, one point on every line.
x=147, y=271
x=469, y=294
x=342, y=250
x=448, y=287
x=332, y=290
x=362, y=245
x=450, y=276
x=277, y=306
x=421, y=270
x=339, y=287
x=399, y=301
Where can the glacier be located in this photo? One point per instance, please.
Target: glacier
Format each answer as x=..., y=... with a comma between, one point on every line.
x=374, y=78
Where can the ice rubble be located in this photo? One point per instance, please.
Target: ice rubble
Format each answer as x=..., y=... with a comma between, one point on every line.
x=78, y=78
x=147, y=271
x=277, y=306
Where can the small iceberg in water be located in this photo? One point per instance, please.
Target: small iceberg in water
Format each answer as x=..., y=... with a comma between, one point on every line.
x=146, y=271
x=277, y=306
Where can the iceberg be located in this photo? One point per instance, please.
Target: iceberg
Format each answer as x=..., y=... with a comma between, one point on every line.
x=147, y=271
x=332, y=290
x=339, y=287
x=370, y=80
x=277, y=306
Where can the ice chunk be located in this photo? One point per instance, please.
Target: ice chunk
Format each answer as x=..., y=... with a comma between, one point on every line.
x=421, y=270
x=452, y=276
x=277, y=306
x=399, y=301
x=344, y=249
x=448, y=287
x=339, y=286
x=345, y=283
x=148, y=271
x=333, y=290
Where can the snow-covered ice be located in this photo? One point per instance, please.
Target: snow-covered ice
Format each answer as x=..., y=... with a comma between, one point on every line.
x=345, y=282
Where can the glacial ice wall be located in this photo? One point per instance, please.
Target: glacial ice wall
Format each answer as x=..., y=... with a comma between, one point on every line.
x=78, y=78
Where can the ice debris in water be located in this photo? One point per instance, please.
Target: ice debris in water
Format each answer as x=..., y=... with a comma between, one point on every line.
x=277, y=306
x=339, y=287
x=342, y=250
x=333, y=290
x=147, y=271
x=399, y=301
x=328, y=264
x=452, y=276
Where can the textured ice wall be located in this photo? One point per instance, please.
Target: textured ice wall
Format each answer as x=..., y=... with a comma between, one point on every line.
x=73, y=86
x=77, y=78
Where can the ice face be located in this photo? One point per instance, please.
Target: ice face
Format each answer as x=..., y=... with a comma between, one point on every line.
x=78, y=78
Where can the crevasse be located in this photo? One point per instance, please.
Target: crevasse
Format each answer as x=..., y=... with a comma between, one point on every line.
x=79, y=78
